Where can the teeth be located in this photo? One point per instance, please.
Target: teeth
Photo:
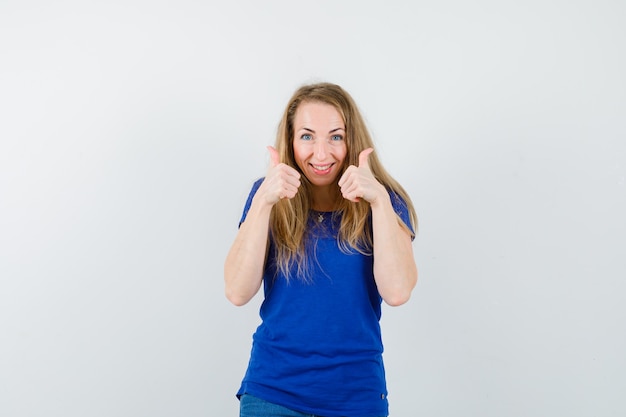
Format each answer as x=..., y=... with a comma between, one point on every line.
x=321, y=167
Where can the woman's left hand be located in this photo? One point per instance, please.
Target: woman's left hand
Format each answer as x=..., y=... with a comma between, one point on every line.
x=394, y=265
x=359, y=182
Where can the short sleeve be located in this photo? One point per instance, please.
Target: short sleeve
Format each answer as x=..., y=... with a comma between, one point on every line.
x=255, y=187
x=402, y=210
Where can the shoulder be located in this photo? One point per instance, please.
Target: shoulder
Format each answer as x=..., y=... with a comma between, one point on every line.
x=401, y=207
x=398, y=203
x=255, y=187
x=257, y=184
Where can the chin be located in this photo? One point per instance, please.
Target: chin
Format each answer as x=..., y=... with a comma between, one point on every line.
x=319, y=182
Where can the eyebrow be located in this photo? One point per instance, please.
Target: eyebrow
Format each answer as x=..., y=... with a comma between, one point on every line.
x=313, y=131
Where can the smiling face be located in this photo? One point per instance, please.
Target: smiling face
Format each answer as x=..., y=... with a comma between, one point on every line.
x=319, y=145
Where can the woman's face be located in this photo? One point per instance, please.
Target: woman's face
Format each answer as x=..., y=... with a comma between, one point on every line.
x=319, y=143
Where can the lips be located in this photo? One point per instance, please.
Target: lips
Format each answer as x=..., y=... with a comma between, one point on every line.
x=321, y=169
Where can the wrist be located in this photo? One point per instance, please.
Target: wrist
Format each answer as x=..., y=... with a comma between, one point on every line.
x=381, y=200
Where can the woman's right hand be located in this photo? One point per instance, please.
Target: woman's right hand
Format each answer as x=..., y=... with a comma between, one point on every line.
x=281, y=181
x=243, y=268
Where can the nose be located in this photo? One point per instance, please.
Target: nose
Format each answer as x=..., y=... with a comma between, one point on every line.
x=321, y=150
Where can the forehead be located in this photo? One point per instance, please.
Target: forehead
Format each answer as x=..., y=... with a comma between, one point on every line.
x=315, y=112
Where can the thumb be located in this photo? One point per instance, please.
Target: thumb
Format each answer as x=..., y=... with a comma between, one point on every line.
x=364, y=156
x=274, y=158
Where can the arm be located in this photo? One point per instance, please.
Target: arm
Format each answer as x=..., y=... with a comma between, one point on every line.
x=243, y=268
x=395, y=271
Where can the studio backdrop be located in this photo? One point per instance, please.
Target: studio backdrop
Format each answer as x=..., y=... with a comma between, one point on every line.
x=132, y=131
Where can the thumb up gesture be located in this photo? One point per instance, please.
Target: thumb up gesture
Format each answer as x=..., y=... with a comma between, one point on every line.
x=359, y=182
x=281, y=180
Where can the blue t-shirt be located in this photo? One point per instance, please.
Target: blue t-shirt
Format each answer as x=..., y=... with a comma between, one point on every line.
x=318, y=349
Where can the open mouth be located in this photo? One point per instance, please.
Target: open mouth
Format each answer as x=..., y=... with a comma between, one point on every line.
x=321, y=169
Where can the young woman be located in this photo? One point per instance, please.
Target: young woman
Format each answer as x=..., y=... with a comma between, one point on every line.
x=329, y=234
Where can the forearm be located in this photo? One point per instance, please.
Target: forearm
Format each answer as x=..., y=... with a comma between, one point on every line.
x=395, y=271
x=243, y=268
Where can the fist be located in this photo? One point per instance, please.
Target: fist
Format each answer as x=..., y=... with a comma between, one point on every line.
x=359, y=182
x=281, y=180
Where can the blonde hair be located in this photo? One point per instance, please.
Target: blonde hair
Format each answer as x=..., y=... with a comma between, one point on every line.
x=288, y=220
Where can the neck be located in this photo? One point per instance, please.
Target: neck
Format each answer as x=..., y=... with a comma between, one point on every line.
x=325, y=198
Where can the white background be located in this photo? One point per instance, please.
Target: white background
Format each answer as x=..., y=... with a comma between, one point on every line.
x=131, y=132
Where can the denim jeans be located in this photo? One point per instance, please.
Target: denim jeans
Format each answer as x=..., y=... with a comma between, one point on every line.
x=255, y=407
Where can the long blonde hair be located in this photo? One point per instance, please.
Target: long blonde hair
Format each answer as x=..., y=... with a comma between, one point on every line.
x=288, y=220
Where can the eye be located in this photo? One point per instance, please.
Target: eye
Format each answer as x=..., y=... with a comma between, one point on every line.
x=336, y=137
x=306, y=136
